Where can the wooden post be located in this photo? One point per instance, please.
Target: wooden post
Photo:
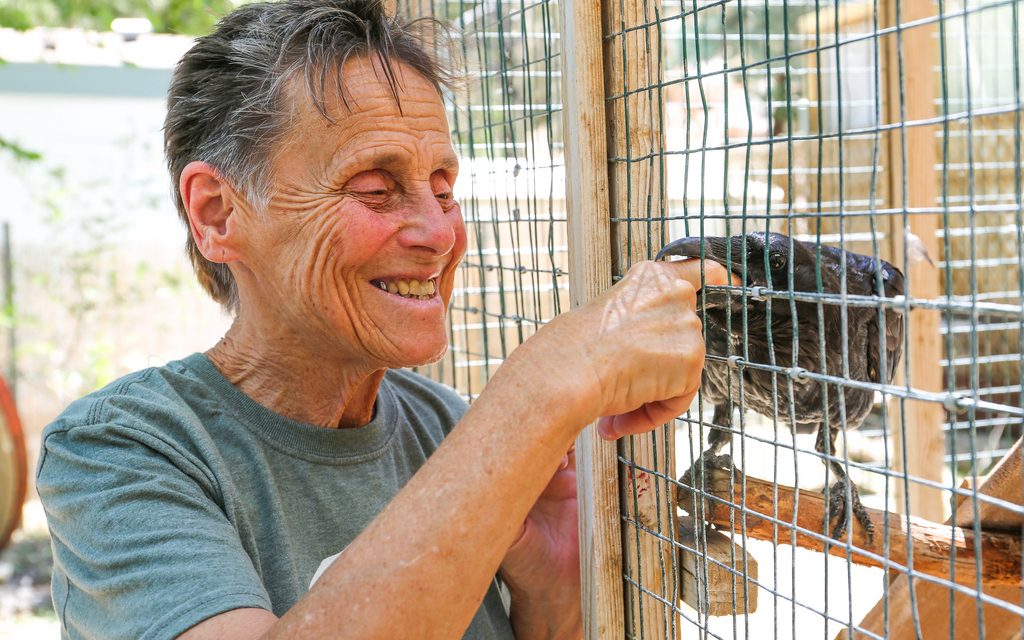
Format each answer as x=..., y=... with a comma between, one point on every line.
x=929, y=604
x=590, y=271
x=636, y=194
x=912, y=153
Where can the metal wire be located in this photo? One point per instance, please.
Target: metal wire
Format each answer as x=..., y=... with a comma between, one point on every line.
x=507, y=129
x=795, y=116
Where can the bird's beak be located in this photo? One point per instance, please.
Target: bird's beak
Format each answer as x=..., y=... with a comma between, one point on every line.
x=709, y=248
x=683, y=247
x=714, y=249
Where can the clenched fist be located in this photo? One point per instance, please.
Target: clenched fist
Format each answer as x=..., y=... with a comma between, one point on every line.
x=633, y=356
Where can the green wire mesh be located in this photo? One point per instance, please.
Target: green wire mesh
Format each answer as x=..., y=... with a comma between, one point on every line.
x=506, y=126
x=781, y=115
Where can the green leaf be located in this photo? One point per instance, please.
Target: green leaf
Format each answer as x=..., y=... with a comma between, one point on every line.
x=19, y=152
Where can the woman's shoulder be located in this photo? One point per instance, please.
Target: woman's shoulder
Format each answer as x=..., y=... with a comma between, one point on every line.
x=149, y=395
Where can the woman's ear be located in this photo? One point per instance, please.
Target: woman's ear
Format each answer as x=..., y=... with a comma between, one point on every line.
x=210, y=202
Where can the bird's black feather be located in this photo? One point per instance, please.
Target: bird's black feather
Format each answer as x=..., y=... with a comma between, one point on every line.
x=796, y=334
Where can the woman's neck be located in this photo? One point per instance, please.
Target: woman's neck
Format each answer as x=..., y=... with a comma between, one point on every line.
x=295, y=382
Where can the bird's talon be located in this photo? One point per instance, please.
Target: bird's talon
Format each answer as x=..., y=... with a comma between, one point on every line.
x=839, y=510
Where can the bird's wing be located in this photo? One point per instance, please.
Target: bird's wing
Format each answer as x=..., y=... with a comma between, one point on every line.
x=861, y=280
x=894, y=286
x=893, y=340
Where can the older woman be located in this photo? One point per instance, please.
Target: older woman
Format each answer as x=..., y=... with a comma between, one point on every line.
x=310, y=150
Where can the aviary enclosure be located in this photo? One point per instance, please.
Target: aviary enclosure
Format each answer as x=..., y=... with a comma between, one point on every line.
x=592, y=133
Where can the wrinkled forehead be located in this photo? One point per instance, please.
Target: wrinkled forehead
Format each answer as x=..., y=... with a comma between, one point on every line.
x=363, y=100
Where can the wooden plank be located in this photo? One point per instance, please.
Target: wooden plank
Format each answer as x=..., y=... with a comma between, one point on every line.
x=717, y=576
x=912, y=153
x=770, y=513
x=636, y=194
x=1005, y=482
x=894, y=615
x=590, y=270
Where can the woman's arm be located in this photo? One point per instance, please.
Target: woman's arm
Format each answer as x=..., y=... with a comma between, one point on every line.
x=424, y=564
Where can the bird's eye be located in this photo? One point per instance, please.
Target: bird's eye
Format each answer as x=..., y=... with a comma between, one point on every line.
x=776, y=261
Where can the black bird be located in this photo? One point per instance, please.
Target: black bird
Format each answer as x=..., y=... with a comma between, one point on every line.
x=766, y=260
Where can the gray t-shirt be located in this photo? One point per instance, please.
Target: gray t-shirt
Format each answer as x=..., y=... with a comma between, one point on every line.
x=171, y=497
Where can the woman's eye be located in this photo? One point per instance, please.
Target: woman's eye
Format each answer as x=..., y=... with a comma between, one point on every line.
x=442, y=187
x=371, y=184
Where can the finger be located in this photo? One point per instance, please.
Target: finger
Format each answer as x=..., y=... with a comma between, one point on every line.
x=570, y=459
x=625, y=424
x=644, y=418
x=667, y=410
x=562, y=485
x=714, y=273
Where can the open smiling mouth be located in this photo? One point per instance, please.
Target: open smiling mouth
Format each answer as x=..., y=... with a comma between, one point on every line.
x=407, y=288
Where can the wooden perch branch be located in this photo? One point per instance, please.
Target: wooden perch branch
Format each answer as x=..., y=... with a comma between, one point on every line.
x=932, y=543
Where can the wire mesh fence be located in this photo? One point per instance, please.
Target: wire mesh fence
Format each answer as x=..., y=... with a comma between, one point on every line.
x=889, y=129
x=506, y=124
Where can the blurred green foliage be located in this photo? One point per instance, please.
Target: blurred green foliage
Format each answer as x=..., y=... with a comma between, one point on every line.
x=191, y=17
x=19, y=152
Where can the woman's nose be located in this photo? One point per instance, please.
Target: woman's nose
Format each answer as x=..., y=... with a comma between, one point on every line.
x=428, y=225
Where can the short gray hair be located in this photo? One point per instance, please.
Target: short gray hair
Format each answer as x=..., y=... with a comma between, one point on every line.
x=229, y=103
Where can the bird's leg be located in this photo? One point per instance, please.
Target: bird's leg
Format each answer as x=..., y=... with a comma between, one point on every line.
x=717, y=439
x=710, y=459
x=837, y=504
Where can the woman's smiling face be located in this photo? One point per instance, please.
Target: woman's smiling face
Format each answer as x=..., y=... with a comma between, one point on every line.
x=358, y=247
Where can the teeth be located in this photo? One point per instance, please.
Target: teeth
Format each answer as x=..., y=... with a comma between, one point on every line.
x=421, y=290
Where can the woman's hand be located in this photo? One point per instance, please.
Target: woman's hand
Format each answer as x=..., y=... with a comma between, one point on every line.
x=542, y=568
x=633, y=355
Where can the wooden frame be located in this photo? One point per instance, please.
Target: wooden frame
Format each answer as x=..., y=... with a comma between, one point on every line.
x=913, y=154
x=590, y=271
x=597, y=129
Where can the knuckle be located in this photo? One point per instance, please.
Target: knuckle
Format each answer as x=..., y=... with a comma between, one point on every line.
x=644, y=266
x=692, y=322
x=689, y=293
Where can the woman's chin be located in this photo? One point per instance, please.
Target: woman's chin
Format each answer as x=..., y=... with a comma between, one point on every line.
x=416, y=353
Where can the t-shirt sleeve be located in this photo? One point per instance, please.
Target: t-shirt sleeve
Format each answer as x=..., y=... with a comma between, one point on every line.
x=141, y=547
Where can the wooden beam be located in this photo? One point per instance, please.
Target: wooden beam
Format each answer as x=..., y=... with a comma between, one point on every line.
x=912, y=153
x=590, y=272
x=717, y=576
x=911, y=607
x=769, y=512
x=633, y=76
